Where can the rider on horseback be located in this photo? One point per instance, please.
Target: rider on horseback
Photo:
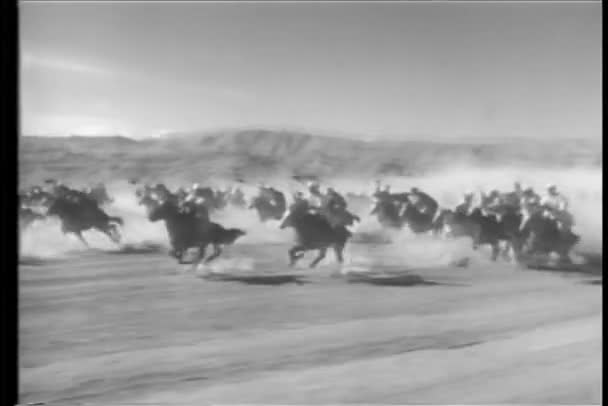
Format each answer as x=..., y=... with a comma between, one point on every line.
x=195, y=202
x=511, y=200
x=466, y=206
x=423, y=202
x=491, y=203
x=555, y=206
x=315, y=197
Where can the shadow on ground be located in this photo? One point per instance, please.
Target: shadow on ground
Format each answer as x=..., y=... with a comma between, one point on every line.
x=592, y=265
x=391, y=279
x=269, y=280
x=32, y=261
x=141, y=248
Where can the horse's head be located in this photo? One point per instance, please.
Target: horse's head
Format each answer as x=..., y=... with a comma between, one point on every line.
x=160, y=210
x=288, y=219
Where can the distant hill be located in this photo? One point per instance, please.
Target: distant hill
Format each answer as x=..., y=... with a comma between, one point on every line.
x=254, y=154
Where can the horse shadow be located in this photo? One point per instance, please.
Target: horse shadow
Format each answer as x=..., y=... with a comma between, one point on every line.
x=266, y=280
x=143, y=248
x=592, y=265
x=32, y=261
x=392, y=279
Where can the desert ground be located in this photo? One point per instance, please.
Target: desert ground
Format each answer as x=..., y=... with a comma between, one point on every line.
x=106, y=327
x=412, y=321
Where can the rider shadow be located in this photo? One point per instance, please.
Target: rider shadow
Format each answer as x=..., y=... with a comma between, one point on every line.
x=266, y=280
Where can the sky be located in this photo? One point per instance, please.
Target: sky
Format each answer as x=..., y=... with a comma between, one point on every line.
x=370, y=70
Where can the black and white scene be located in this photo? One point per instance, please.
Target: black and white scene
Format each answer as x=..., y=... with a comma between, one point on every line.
x=310, y=203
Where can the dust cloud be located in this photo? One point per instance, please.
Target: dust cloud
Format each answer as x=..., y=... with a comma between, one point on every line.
x=582, y=186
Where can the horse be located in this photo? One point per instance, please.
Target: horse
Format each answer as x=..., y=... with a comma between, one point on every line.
x=387, y=213
x=188, y=231
x=269, y=209
x=417, y=221
x=314, y=232
x=541, y=235
x=78, y=216
x=483, y=230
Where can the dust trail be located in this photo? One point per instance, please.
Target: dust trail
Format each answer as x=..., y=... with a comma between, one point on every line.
x=582, y=186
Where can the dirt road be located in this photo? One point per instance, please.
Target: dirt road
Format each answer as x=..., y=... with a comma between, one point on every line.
x=109, y=328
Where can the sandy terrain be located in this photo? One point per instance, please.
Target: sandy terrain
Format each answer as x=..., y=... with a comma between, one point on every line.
x=102, y=327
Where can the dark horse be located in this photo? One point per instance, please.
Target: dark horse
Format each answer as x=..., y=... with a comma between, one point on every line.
x=187, y=231
x=79, y=216
x=419, y=222
x=482, y=229
x=314, y=232
x=270, y=209
x=387, y=213
x=541, y=235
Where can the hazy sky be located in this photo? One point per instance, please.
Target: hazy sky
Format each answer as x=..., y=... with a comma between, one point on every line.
x=380, y=69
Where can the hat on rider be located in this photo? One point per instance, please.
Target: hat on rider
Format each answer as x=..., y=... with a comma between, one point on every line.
x=551, y=187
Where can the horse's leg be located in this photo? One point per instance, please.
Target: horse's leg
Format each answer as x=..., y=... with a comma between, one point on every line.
x=506, y=250
x=175, y=253
x=217, y=250
x=111, y=232
x=81, y=238
x=293, y=254
x=322, y=253
x=338, y=250
x=495, y=250
x=199, y=256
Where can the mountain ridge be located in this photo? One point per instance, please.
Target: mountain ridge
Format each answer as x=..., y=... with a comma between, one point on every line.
x=263, y=153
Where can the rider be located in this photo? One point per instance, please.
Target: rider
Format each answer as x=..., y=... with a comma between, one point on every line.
x=383, y=193
x=491, y=203
x=529, y=198
x=466, y=205
x=529, y=206
x=315, y=197
x=334, y=208
x=196, y=205
x=334, y=200
x=423, y=202
x=555, y=206
x=511, y=200
x=300, y=204
x=237, y=197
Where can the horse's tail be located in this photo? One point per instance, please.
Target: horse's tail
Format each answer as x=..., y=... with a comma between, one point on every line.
x=116, y=219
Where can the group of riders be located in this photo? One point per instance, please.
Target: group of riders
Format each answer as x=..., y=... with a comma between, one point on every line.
x=415, y=208
x=552, y=204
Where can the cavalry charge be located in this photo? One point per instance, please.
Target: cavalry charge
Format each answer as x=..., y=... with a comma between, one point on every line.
x=519, y=222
